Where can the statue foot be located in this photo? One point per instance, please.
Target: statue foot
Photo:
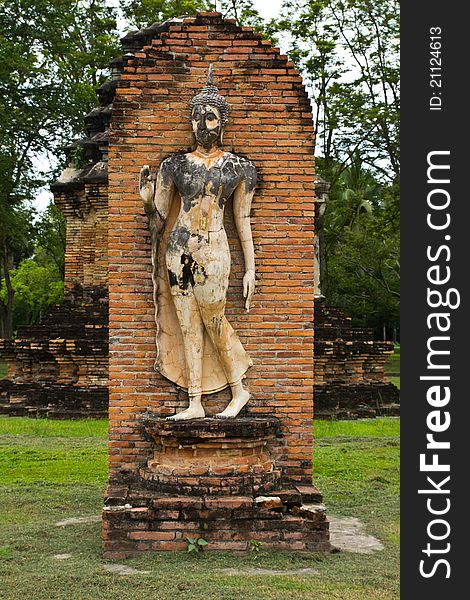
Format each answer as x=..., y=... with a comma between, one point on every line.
x=193, y=412
x=235, y=405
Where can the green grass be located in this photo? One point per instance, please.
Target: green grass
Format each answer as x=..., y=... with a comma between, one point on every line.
x=56, y=470
x=392, y=366
x=40, y=428
x=3, y=368
x=359, y=428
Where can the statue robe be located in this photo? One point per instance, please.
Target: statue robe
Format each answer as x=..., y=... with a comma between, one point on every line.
x=170, y=361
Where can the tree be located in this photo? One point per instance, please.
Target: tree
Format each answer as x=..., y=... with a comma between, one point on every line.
x=363, y=249
x=348, y=51
x=15, y=245
x=52, y=57
x=37, y=287
x=35, y=281
x=243, y=11
x=142, y=13
x=51, y=239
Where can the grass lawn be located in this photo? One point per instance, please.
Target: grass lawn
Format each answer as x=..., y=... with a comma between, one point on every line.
x=3, y=368
x=392, y=366
x=53, y=470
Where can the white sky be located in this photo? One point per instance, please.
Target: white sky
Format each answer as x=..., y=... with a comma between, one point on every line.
x=268, y=8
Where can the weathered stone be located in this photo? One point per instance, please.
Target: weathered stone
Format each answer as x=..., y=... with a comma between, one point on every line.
x=196, y=346
x=124, y=570
x=271, y=127
x=313, y=512
x=309, y=494
x=268, y=502
x=347, y=533
x=79, y=520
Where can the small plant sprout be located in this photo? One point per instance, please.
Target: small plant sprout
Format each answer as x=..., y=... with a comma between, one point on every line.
x=196, y=544
x=255, y=547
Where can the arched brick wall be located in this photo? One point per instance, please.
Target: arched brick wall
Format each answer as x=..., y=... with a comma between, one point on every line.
x=270, y=123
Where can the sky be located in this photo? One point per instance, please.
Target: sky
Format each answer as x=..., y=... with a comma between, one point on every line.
x=266, y=8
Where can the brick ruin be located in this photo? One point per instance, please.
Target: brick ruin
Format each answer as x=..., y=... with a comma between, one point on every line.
x=59, y=368
x=349, y=369
x=349, y=375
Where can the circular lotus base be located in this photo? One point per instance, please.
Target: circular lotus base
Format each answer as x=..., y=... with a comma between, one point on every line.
x=208, y=455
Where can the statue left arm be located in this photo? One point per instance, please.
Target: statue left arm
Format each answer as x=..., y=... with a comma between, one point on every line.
x=242, y=198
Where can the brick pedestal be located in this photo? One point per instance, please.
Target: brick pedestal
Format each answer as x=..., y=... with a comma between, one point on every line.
x=214, y=479
x=213, y=456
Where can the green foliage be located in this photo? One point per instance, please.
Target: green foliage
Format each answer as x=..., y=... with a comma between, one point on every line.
x=196, y=544
x=37, y=283
x=349, y=55
x=243, y=11
x=53, y=55
x=362, y=244
x=51, y=239
x=15, y=245
x=142, y=13
x=255, y=548
x=36, y=289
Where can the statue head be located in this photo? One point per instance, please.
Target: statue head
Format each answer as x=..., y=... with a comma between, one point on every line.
x=209, y=112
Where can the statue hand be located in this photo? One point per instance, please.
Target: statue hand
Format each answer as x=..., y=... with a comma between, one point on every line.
x=248, y=288
x=144, y=176
x=146, y=185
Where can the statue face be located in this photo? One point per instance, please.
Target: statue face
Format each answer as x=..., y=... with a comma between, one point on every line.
x=206, y=124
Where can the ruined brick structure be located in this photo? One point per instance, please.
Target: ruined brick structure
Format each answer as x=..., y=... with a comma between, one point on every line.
x=349, y=364
x=208, y=477
x=349, y=369
x=59, y=368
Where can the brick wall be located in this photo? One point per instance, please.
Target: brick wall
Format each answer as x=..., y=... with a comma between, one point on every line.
x=270, y=123
x=86, y=213
x=59, y=368
x=349, y=372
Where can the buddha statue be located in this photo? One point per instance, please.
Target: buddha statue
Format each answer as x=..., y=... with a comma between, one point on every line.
x=197, y=347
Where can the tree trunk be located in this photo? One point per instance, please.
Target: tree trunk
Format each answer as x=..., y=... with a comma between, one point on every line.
x=6, y=307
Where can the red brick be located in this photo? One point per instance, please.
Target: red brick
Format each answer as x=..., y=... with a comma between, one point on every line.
x=269, y=122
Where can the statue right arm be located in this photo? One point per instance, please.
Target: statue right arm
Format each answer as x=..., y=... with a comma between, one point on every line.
x=157, y=194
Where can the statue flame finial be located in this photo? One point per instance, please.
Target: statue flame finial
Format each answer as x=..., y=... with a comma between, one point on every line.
x=210, y=76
